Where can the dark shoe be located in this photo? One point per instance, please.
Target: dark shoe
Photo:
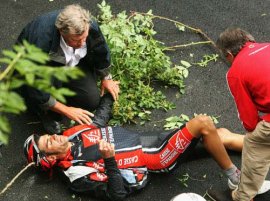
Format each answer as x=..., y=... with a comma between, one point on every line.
x=50, y=125
x=104, y=111
x=217, y=195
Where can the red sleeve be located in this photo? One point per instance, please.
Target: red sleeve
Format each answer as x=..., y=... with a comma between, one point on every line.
x=248, y=113
x=77, y=128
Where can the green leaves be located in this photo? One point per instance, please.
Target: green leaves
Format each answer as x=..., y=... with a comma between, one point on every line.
x=15, y=83
x=9, y=54
x=28, y=62
x=11, y=102
x=185, y=63
x=206, y=59
x=34, y=53
x=175, y=121
x=60, y=94
x=137, y=60
x=184, y=179
x=4, y=129
x=180, y=27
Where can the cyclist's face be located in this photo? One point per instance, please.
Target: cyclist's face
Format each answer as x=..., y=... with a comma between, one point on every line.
x=53, y=144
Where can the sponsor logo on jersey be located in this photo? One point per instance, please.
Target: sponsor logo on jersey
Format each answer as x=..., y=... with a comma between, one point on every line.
x=169, y=158
x=98, y=177
x=103, y=133
x=111, y=137
x=91, y=137
x=176, y=145
x=132, y=158
x=181, y=142
x=128, y=161
x=165, y=153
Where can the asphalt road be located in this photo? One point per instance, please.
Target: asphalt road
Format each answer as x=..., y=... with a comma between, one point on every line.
x=206, y=91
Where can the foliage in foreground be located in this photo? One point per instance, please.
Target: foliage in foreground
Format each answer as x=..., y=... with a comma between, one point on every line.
x=26, y=66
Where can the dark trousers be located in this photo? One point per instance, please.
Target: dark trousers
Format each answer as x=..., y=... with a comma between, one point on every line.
x=87, y=95
x=87, y=92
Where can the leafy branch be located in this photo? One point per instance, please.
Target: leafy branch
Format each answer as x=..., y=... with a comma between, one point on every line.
x=10, y=66
x=26, y=65
x=206, y=59
x=186, y=177
x=181, y=26
x=16, y=177
x=177, y=121
x=172, y=48
x=138, y=59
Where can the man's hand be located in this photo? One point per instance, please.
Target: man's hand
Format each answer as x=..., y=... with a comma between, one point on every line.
x=112, y=87
x=79, y=115
x=106, y=149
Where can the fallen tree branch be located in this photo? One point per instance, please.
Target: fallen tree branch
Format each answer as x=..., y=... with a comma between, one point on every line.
x=196, y=30
x=13, y=180
x=10, y=67
x=172, y=48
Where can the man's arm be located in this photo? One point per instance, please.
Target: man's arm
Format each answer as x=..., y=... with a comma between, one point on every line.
x=96, y=45
x=248, y=113
x=98, y=189
x=115, y=187
x=77, y=114
x=108, y=185
x=102, y=61
x=112, y=87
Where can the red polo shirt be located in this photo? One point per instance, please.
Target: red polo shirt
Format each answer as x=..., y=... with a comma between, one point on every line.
x=249, y=82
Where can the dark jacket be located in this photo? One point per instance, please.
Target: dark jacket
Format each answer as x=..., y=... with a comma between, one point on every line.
x=43, y=33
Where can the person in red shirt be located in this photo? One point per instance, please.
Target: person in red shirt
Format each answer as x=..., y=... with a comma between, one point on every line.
x=249, y=82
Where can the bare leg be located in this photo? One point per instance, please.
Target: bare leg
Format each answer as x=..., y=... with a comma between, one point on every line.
x=231, y=141
x=203, y=125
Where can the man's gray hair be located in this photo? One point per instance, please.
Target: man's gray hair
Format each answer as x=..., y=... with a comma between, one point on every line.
x=232, y=40
x=73, y=19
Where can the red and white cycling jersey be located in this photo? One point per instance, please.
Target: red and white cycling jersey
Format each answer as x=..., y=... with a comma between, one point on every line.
x=134, y=156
